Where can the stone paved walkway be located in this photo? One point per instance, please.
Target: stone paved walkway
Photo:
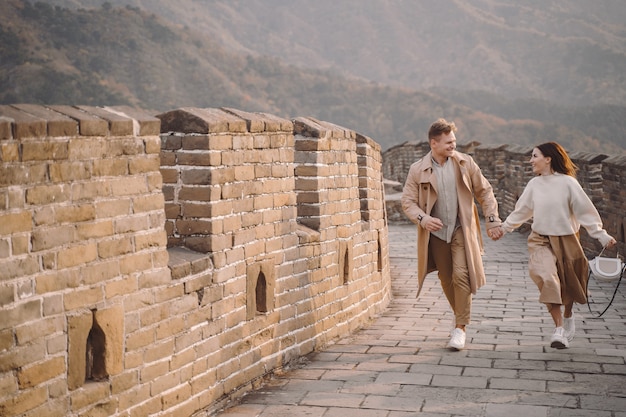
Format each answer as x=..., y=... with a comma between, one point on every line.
x=399, y=366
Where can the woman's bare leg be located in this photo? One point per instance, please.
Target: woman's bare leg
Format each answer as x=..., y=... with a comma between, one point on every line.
x=557, y=316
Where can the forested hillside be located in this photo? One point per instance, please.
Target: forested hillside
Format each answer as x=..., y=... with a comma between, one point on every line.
x=126, y=55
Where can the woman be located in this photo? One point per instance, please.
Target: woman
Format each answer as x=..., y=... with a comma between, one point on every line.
x=557, y=264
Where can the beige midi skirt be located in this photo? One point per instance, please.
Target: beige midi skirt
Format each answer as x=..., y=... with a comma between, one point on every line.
x=559, y=268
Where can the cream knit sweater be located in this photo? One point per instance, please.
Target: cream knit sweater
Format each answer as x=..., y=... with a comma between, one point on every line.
x=558, y=206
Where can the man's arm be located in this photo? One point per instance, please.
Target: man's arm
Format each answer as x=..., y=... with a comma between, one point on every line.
x=483, y=192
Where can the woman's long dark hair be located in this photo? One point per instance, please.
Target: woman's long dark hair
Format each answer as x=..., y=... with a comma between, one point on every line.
x=560, y=160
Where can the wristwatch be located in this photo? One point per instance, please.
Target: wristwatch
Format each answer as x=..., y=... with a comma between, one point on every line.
x=419, y=218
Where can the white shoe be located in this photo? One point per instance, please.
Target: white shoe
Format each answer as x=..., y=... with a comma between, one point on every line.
x=558, y=339
x=569, y=325
x=457, y=341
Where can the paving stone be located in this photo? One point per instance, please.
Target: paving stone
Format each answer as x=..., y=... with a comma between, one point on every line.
x=399, y=366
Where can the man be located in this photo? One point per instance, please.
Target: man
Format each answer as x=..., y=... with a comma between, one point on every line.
x=439, y=196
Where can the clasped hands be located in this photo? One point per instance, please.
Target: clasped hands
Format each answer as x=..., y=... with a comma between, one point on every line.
x=495, y=233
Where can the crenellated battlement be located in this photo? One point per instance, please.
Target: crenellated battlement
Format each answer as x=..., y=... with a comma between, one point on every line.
x=161, y=265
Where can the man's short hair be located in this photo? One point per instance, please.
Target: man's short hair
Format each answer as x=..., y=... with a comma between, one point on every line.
x=441, y=127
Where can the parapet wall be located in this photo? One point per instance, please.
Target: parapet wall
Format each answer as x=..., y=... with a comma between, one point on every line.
x=508, y=170
x=160, y=265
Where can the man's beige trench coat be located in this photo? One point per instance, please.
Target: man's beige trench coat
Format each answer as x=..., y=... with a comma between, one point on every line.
x=420, y=194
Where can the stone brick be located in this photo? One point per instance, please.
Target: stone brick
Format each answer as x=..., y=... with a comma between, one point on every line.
x=78, y=327
x=77, y=255
x=211, y=243
x=124, y=146
x=196, y=210
x=128, y=224
x=137, y=395
x=245, y=173
x=199, y=193
x=110, y=167
x=83, y=298
x=5, y=128
x=148, y=203
x=64, y=171
x=57, y=281
x=135, y=263
x=152, y=145
x=44, y=150
x=88, y=395
x=153, y=278
x=170, y=175
x=94, y=230
x=13, y=174
x=99, y=272
x=128, y=186
x=24, y=125
x=21, y=355
x=154, y=370
x=84, y=148
x=147, y=163
x=175, y=396
x=90, y=190
x=155, y=181
x=210, y=158
x=57, y=344
x=148, y=124
x=9, y=152
x=34, y=375
x=150, y=407
x=197, y=227
x=23, y=402
x=88, y=125
x=7, y=295
x=111, y=321
x=15, y=223
x=119, y=287
x=58, y=124
x=124, y=382
x=8, y=384
x=20, y=313
x=162, y=349
x=75, y=213
x=48, y=194
x=159, y=263
x=140, y=339
x=113, y=208
x=150, y=240
x=28, y=332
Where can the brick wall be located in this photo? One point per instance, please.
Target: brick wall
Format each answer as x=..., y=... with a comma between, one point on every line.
x=160, y=265
x=82, y=249
x=508, y=170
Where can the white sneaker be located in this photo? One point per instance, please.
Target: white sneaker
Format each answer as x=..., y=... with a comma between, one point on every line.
x=558, y=339
x=569, y=325
x=457, y=341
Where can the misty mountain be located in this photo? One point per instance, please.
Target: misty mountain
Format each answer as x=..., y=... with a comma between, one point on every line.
x=380, y=67
x=570, y=52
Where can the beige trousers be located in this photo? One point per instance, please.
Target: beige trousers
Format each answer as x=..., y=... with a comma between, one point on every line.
x=451, y=264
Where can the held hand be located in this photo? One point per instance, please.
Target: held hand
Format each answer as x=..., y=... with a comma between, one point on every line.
x=611, y=243
x=495, y=233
